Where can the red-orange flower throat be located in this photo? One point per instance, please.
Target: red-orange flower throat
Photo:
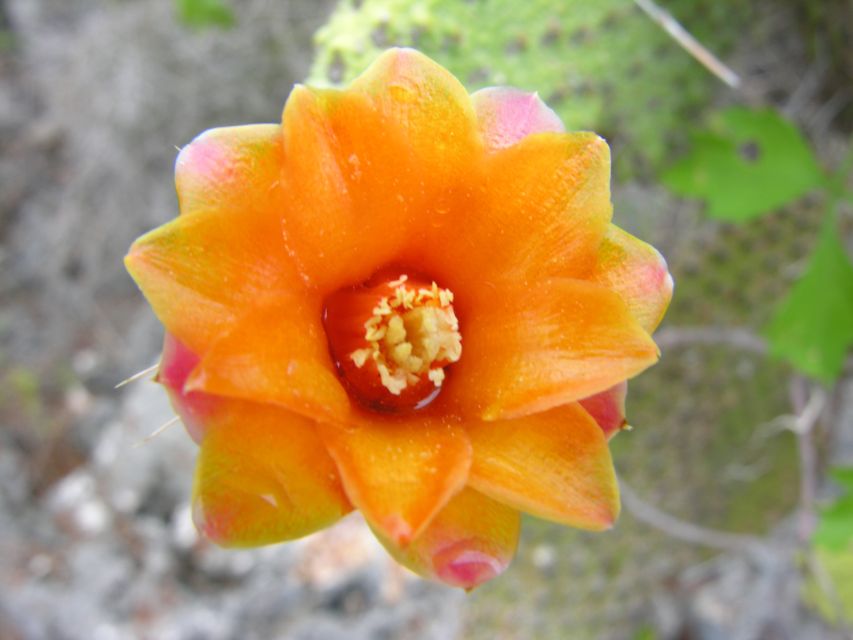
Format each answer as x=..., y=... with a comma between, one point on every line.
x=392, y=340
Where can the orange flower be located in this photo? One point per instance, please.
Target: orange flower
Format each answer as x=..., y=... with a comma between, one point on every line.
x=404, y=300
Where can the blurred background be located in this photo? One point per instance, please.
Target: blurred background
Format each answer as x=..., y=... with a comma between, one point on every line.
x=738, y=474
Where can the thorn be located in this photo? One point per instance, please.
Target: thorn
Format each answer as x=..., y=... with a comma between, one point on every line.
x=137, y=376
x=157, y=432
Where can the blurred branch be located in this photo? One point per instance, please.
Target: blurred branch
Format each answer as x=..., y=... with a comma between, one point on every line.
x=673, y=337
x=811, y=407
x=686, y=531
x=830, y=110
x=689, y=43
x=808, y=406
x=808, y=87
x=808, y=411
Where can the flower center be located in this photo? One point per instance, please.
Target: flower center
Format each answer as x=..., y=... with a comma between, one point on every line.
x=391, y=341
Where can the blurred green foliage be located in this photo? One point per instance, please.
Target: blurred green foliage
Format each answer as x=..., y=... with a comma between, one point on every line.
x=20, y=387
x=749, y=163
x=834, y=553
x=601, y=65
x=813, y=326
x=745, y=164
x=205, y=13
x=838, y=602
x=645, y=633
x=835, y=532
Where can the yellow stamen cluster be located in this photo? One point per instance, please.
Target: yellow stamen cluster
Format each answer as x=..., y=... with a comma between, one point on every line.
x=412, y=333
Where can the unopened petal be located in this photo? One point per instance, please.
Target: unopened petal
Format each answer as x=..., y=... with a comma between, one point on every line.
x=554, y=465
x=607, y=408
x=231, y=169
x=506, y=115
x=399, y=471
x=264, y=476
x=195, y=408
x=638, y=273
x=471, y=541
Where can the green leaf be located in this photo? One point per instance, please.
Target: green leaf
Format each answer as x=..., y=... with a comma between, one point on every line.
x=746, y=164
x=205, y=13
x=813, y=326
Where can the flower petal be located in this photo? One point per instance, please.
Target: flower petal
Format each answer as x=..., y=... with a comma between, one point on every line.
x=353, y=184
x=263, y=476
x=554, y=465
x=506, y=115
x=399, y=471
x=278, y=354
x=471, y=540
x=541, y=211
x=637, y=272
x=429, y=105
x=231, y=169
x=365, y=165
x=528, y=351
x=608, y=408
x=201, y=271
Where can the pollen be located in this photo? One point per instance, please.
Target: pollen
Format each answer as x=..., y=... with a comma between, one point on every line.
x=411, y=336
x=392, y=340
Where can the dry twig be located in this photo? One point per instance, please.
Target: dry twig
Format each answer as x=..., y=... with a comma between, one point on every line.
x=809, y=406
x=689, y=43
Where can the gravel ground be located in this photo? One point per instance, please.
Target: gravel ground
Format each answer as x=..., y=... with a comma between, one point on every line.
x=110, y=552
